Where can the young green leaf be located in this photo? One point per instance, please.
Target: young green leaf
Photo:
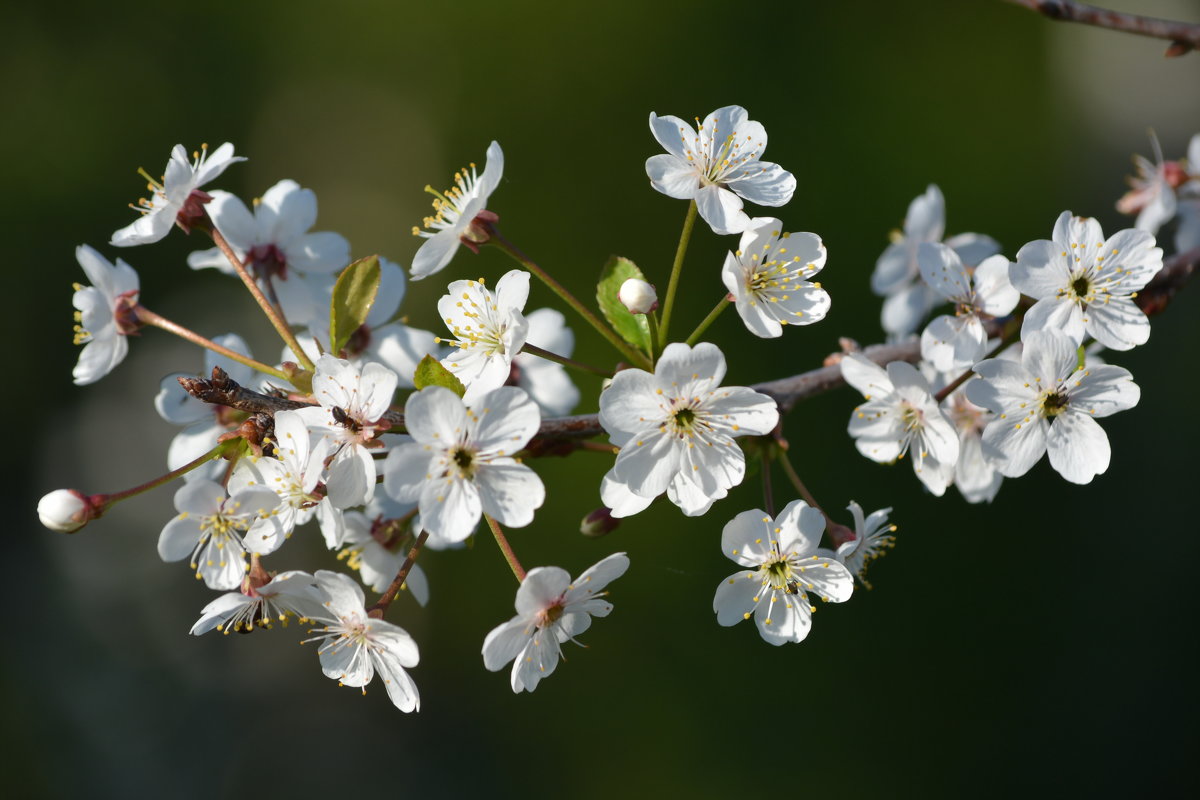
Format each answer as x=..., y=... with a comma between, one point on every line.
x=353, y=295
x=430, y=372
x=633, y=328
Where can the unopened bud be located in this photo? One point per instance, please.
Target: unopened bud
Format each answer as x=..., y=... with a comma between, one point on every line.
x=65, y=510
x=839, y=534
x=638, y=296
x=599, y=523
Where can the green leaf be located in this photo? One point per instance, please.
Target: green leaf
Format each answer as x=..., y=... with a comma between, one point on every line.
x=633, y=328
x=353, y=295
x=430, y=372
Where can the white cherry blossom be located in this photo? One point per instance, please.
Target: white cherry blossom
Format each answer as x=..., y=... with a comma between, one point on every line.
x=287, y=595
x=105, y=314
x=489, y=329
x=767, y=276
x=176, y=197
x=1084, y=284
x=460, y=463
x=210, y=527
x=958, y=341
x=782, y=566
x=873, y=537
x=275, y=243
x=354, y=646
x=676, y=429
x=454, y=212
x=897, y=272
x=354, y=403
x=293, y=474
x=1045, y=403
x=1151, y=192
x=899, y=418
x=718, y=165
x=551, y=609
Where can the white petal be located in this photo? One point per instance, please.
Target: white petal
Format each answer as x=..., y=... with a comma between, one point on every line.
x=1078, y=447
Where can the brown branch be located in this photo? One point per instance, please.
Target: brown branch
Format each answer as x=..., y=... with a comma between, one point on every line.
x=223, y=390
x=1183, y=36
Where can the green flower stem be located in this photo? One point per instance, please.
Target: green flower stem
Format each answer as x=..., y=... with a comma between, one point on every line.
x=148, y=317
x=712, y=316
x=652, y=322
x=534, y=350
x=104, y=501
x=689, y=222
x=631, y=355
x=273, y=313
x=506, y=549
x=393, y=589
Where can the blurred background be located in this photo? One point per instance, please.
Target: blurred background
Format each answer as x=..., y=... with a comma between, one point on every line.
x=1045, y=642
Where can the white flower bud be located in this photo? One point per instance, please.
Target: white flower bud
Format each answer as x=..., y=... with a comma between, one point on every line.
x=638, y=296
x=64, y=510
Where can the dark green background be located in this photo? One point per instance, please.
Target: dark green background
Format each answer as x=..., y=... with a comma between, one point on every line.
x=1043, y=643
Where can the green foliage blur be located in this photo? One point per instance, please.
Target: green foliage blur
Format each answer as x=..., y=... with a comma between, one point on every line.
x=1045, y=643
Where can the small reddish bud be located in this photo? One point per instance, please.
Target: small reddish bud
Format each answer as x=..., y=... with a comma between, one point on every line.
x=599, y=523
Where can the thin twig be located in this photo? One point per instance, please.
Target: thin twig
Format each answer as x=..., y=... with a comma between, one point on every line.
x=393, y=591
x=1184, y=34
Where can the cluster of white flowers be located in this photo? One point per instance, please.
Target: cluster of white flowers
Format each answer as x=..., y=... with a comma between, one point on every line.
x=994, y=417
x=393, y=439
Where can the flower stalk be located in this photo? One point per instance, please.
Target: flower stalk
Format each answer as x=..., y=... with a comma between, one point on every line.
x=148, y=317
x=273, y=313
x=632, y=355
x=506, y=549
x=689, y=222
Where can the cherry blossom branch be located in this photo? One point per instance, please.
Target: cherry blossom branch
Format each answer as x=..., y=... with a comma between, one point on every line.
x=689, y=222
x=633, y=356
x=393, y=590
x=786, y=392
x=1182, y=35
x=273, y=313
x=148, y=317
x=534, y=350
x=506, y=549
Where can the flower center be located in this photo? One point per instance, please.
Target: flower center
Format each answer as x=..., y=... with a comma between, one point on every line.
x=268, y=262
x=1054, y=403
x=464, y=459
x=1082, y=287
x=685, y=418
x=549, y=616
x=911, y=417
x=780, y=576
x=448, y=206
